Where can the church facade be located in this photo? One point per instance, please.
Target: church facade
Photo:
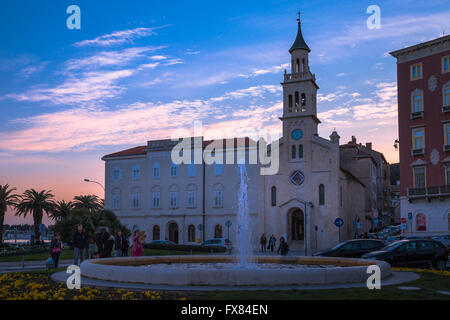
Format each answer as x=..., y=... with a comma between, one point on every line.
x=190, y=203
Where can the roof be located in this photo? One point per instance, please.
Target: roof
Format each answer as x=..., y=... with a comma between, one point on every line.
x=299, y=42
x=140, y=150
x=430, y=43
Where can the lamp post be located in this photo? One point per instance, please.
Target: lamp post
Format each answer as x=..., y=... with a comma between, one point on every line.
x=87, y=180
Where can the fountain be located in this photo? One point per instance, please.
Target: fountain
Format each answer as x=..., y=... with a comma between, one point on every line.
x=239, y=270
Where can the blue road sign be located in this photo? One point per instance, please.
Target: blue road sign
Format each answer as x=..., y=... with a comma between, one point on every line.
x=410, y=215
x=375, y=221
x=338, y=222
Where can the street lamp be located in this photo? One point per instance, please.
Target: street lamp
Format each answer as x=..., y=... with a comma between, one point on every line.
x=87, y=180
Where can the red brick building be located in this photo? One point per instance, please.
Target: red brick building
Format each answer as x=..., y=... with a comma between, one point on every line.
x=423, y=79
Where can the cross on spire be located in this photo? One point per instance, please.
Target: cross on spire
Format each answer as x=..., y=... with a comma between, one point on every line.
x=298, y=13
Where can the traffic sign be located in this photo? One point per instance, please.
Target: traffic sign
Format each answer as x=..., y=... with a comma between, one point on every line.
x=375, y=221
x=338, y=222
x=403, y=226
x=228, y=223
x=410, y=215
x=403, y=220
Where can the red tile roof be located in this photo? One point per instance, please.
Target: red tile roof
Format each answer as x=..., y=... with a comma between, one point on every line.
x=129, y=152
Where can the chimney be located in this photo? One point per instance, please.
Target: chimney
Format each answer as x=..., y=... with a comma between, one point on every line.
x=353, y=140
x=369, y=145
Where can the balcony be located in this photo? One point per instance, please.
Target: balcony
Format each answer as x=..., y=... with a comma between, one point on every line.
x=428, y=192
x=305, y=75
x=446, y=147
x=445, y=109
x=417, y=152
x=416, y=115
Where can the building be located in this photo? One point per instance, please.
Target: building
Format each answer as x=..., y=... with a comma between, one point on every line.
x=189, y=203
x=423, y=76
x=372, y=169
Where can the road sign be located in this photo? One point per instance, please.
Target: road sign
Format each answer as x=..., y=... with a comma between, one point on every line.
x=228, y=223
x=403, y=220
x=410, y=215
x=338, y=222
x=375, y=221
x=375, y=213
x=403, y=226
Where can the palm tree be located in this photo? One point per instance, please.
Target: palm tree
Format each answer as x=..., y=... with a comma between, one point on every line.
x=35, y=203
x=7, y=199
x=89, y=202
x=61, y=210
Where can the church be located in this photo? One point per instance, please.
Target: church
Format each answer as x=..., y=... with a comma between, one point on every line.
x=191, y=203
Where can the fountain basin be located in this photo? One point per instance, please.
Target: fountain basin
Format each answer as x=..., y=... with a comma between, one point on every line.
x=310, y=271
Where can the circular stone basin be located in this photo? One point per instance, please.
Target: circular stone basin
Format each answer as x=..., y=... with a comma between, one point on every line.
x=224, y=270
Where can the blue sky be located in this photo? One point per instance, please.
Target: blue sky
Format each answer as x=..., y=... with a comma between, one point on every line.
x=139, y=70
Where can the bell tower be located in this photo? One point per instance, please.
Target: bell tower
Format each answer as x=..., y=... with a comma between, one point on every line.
x=299, y=91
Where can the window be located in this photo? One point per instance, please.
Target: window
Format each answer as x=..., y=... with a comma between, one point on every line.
x=173, y=170
x=274, y=196
x=218, y=231
x=116, y=174
x=416, y=71
x=191, y=199
x=116, y=199
x=419, y=177
x=156, y=232
x=290, y=103
x=445, y=64
x=447, y=133
x=136, y=172
x=446, y=97
x=173, y=199
x=218, y=198
x=297, y=101
x=191, y=170
x=156, y=200
x=136, y=199
x=447, y=174
x=321, y=195
x=218, y=169
x=417, y=103
x=421, y=222
x=297, y=69
x=418, y=138
x=191, y=233
x=294, y=152
x=300, y=151
x=297, y=178
x=303, y=99
x=156, y=170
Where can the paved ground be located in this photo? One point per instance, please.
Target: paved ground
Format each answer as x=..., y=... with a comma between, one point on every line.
x=396, y=278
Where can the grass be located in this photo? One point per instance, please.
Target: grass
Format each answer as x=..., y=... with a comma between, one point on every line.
x=68, y=254
x=428, y=283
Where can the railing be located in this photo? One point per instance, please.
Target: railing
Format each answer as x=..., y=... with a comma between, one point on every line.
x=445, y=109
x=417, y=152
x=446, y=147
x=429, y=192
x=299, y=76
x=417, y=115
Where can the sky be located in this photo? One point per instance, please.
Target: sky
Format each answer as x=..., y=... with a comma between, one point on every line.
x=140, y=70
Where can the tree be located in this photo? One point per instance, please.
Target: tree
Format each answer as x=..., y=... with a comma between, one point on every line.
x=61, y=210
x=7, y=199
x=89, y=203
x=35, y=203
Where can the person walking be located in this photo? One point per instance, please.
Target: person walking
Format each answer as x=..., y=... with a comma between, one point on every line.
x=108, y=243
x=79, y=243
x=272, y=241
x=263, y=242
x=56, y=248
x=137, y=248
x=283, y=249
x=118, y=243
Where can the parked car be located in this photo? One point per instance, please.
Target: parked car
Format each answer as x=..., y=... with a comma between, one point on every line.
x=219, y=242
x=412, y=253
x=162, y=242
x=393, y=239
x=353, y=248
x=444, y=238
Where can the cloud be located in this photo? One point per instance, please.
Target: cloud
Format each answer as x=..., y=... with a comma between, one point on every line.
x=29, y=71
x=118, y=37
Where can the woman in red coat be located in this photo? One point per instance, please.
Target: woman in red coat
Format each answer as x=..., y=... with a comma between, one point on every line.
x=138, y=239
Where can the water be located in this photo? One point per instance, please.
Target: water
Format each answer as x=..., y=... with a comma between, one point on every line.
x=231, y=266
x=243, y=223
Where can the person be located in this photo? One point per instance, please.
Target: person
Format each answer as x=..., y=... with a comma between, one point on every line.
x=125, y=246
x=272, y=241
x=263, y=241
x=137, y=248
x=108, y=243
x=118, y=243
x=79, y=243
x=92, y=249
x=56, y=248
x=283, y=248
